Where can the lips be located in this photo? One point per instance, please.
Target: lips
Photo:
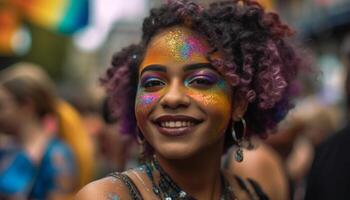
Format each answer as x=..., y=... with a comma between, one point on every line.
x=176, y=125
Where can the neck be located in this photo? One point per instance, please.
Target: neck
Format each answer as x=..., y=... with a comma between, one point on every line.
x=198, y=175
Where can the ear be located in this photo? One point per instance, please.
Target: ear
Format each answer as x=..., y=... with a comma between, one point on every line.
x=240, y=105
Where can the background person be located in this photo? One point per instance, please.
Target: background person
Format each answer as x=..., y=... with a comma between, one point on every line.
x=46, y=159
x=329, y=177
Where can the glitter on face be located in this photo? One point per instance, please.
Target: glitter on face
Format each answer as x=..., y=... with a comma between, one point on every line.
x=192, y=46
x=184, y=46
x=148, y=99
x=214, y=98
x=177, y=45
x=144, y=101
x=173, y=49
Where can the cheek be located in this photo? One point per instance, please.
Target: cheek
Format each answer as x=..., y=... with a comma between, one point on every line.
x=144, y=103
x=217, y=104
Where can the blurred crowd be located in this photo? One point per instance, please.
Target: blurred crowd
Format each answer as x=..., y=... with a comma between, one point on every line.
x=51, y=146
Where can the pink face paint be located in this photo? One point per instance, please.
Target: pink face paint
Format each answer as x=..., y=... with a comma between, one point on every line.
x=145, y=101
x=191, y=47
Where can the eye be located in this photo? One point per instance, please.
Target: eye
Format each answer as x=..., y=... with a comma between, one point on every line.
x=152, y=82
x=201, y=81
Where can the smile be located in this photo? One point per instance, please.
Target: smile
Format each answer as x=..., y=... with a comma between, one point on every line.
x=176, y=125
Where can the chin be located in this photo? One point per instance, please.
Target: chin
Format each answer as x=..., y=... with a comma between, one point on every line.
x=176, y=151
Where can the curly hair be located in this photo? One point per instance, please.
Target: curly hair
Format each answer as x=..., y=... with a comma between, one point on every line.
x=258, y=61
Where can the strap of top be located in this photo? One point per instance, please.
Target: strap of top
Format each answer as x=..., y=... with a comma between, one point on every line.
x=252, y=188
x=133, y=191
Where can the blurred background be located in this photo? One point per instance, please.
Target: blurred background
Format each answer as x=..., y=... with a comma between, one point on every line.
x=73, y=42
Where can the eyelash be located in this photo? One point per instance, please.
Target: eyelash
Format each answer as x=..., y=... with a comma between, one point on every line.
x=207, y=81
x=151, y=81
x=197, y=81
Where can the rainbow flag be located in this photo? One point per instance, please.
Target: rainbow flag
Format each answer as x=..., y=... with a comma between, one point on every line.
x=64, y=16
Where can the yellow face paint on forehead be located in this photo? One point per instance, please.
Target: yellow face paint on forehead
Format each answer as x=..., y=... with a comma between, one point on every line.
x=176, y=45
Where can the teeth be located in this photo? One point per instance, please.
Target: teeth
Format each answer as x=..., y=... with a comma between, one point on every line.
x=176, y=124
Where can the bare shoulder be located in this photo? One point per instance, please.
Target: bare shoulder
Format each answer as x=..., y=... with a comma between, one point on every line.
x=237, y=189
x=264, y=166
x=247, y=189
x=109, y=188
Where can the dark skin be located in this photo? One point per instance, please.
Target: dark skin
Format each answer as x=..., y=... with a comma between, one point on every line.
x=265, y=166
x=170, y=86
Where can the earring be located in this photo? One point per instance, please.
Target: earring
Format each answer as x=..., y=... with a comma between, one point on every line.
x=239, y=139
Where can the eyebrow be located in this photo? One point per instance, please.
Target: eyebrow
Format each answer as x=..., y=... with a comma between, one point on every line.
x=196, y=66
x=186, y=68
x=159, y=68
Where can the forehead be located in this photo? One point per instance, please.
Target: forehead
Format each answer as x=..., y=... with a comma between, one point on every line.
x=176, y=45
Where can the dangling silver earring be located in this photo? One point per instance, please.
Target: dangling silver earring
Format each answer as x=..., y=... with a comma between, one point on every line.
x=239, y=139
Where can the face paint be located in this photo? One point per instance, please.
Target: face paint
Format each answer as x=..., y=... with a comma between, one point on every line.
x=145, y=101
x=179, y=45
x=176, y=84
x=211, y=97
x=183, y=47
x=214, y=88
x=214, y=98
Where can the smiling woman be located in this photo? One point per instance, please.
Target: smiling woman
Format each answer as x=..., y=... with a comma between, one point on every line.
x=182, y=103
x=201, y=80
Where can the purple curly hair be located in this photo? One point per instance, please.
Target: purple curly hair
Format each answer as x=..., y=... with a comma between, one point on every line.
x=259, y=62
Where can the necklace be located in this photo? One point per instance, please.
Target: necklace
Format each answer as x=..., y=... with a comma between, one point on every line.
x=170, y=189
x=167, y=189
x=140, y=179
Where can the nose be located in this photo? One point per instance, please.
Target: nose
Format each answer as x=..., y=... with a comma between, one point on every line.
x=175, y=97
